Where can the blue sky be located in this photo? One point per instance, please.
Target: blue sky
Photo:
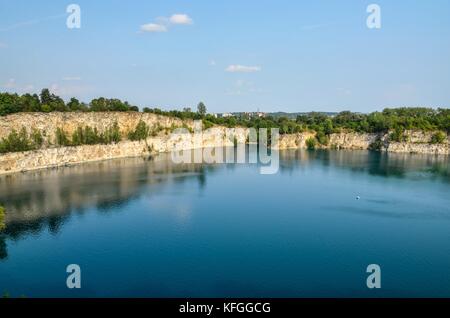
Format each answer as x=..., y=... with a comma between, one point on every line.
x=235, y=55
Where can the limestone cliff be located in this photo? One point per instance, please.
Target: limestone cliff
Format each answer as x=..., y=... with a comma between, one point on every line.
x=47, y=123
x=52, y=156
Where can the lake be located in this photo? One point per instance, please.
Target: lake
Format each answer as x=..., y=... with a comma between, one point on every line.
x=151, y=228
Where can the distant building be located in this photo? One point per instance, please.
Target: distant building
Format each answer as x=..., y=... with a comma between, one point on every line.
x=254, y=114
x=223, y=115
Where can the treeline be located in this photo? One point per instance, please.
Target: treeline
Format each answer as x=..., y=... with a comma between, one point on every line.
x=395, y=120
x=48, y=102
x=425, y=119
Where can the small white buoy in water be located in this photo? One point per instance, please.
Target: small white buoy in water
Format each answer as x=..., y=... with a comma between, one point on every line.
x=358, y=197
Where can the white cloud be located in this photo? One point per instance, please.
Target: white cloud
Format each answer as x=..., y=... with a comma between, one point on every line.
x=10, y=84
x=212, y=63
x=244, y=87
x=3, y=45
x=69, y=90
x=162, y=24
x=153, y=27
x=29, y=88
x=180, y=19
x=242, y=69
x=31, y=22
x=71, y=78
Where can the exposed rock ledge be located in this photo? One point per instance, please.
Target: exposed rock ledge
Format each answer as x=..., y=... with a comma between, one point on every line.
x=53, y=157
x=419, y=142
x=61, y=156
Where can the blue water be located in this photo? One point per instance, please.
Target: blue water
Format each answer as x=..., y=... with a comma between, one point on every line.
x=150, y=228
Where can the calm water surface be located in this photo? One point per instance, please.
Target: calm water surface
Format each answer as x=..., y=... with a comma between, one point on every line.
x=149, y=228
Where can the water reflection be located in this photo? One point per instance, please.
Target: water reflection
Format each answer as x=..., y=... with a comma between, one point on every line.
x=46, y=199
x=398, y=165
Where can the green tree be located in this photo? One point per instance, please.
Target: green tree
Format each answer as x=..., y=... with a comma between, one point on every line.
x=322, y=138
x=9, y=104
x=61, y=137
x=201, y=109
x=99, y=105
x=112, y=134
x=311, y=143
x=37, y=139
x=438, y=138
x=30, y=103
x=74, y=104
x=16, y=142
x=140, y=132
x=46, y=97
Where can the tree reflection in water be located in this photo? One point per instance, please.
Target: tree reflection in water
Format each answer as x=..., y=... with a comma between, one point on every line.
x=46, y=199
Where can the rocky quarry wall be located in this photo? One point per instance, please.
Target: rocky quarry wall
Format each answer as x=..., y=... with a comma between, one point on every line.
x=52, y=156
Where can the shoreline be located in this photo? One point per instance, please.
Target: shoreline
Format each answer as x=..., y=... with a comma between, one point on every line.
x=49, y=156
x=52, y=158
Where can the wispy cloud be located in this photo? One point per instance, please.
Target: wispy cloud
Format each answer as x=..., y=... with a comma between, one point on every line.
x=162, y=24
x=243, y=87
x=3, y=45
x=30, y=22
x=71, y=78
x=69, y=90
x=11, y=85
x=153, y=27
x=180, y=19
x=236, y=68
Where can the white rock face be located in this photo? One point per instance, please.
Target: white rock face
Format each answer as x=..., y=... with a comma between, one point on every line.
x=48, y=123
x=352, y=140
x=441, y=149
x=51, y=156
x=294, y=141
x=60, y=156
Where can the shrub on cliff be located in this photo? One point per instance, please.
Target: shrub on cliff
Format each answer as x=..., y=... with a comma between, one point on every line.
x=16, y=142
x=91, y=136
x=61, y=137
x=311, y=143
x=398, y=135
x=322, y=138
x=438, y=138
x=112, y=134
x=377, y=144
x=140, y=132
x=37, y=139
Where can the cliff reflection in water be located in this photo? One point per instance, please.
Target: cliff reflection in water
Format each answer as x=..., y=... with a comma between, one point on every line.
x=397, y=165
x=41, y=200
